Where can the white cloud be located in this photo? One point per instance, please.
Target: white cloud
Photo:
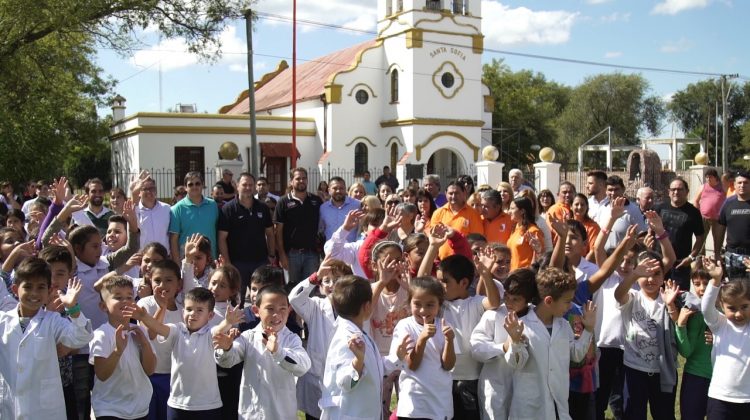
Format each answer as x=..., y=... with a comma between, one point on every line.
x=681, y=45
x=351, y=14
x=615, y=17
x=597, y=1
x=504, y=25
x=667, y=97
x=672, y=7
x=612, y=54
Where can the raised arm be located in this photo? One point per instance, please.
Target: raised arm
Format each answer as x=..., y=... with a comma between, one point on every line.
x=437, y=237
x=141, y=315
x=613, y=261
x=667, y=251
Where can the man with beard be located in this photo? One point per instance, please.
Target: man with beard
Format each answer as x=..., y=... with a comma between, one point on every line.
x=596, y=189
x=244, y=226
x=297, y=217
x=95, y=214
x=334, y=211
x=735, y=216
x=615, y=187
x=193, y=214
x=456, y=214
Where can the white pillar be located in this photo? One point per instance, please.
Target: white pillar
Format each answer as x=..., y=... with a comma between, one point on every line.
x=489, y=172
x=696, y=176
x=547, y=176
x=400, y=173
x=236, y=166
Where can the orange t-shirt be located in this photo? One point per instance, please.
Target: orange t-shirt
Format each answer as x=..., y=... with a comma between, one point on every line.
x=559, y=211
x=592, y=231
x=521, y=252
x=498, y=229
x=730, y=190
x=467, y=220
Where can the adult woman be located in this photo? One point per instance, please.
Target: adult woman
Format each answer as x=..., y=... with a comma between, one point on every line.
x=384, y=190
x=540, y=221
x=581, y=213
x=545, y=200
x=410, y=195
x=426, y=206
x=709, y=202
x=357, y=191
x=180, y=192
x=370, y=203
x=468, y=182
x=323, y=191
x=506, y=195
x=526, y=241
x=475, y=201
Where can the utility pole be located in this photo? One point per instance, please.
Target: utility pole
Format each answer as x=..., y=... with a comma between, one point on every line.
x=725, y=90
x=254, y=163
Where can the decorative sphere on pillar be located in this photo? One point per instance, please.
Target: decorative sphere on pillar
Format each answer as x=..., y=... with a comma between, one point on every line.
x=547, y=154
x=701, y=158
x=229, y=150
x=490, y=153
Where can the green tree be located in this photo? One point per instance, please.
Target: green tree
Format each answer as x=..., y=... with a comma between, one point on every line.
x=526, y=105
x=613, y=100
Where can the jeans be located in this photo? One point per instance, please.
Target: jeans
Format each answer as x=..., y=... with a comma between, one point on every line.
x=301, y=265
x=157, y=408
x=465, y=399
x=246, y=269
x=734, y=266
x=177, y=414
x=724, y=410
x=611, y=382
x=83, y=382
x=645, y=389
x=693, y=397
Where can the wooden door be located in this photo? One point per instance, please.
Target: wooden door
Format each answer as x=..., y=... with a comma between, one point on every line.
x=276, y=174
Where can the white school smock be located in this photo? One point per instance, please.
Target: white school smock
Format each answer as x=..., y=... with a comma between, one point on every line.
x=496, y=377
x=541, y=378
x=162, y=350
x=338, y=247
x=267, y=388
x=463, y=315
x=427, y=391
x=31, y=387
x=89, y=298
x=194, y=385
x=126, y=394
x=609, y=331
x=730, y=354
x=348, y=395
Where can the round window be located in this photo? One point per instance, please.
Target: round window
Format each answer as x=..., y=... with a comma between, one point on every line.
x=447, y=80
x=361, y=96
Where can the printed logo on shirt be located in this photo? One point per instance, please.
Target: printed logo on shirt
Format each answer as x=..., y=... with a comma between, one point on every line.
x=740, y=212
x=291, y=205
x=466, y=223
x=260, y=215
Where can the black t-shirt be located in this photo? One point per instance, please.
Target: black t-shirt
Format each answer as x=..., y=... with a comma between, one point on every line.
x=300, y=220
x=682, y=223
x=391, y=180
x=247, y=230
x=227, y=187
x=735, y=215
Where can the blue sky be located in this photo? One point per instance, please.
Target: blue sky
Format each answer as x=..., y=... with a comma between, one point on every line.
x=689, y=35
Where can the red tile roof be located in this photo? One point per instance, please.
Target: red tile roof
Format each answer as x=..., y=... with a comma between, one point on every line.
x=312, y=78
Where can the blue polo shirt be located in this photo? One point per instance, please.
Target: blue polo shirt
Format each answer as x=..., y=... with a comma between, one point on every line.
x=332, y=217
x=187, y=218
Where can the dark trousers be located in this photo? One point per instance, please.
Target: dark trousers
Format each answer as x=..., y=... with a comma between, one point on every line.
x=723, y=410
x=465, y=400
x=177, y=414
x=246, y=269
x=157, y=408
x=83, y=382
x=116, y=418
x=71, y=409
x=644, y=390
x=229, y=389
x=694, y=397
x=611, y=382
x=581, y=405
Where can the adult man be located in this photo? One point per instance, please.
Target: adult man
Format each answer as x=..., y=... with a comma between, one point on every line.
x=735, y=215
x=645, y=199
x=431, y=184
x=245, y=226
x=683, y=221
x=95, y=213
x=334, y=211
x=41, y=193
x=193, y=214
x=596, y=188
x=261, y=186
x=561, y=210
x=517, y=183
x=632, y=215
x=297, y=217
x=497, y=224
x=153, y=215
x=388, y=178
x=370, y=187
x=227, y=185
x=456, y=214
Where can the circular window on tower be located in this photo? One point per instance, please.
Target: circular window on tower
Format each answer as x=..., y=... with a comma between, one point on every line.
x=447, y=80
x=361, y=96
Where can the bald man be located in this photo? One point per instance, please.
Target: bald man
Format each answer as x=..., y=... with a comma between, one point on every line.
x=645, y=198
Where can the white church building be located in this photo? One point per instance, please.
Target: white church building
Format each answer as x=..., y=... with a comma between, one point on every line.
x=412, y=99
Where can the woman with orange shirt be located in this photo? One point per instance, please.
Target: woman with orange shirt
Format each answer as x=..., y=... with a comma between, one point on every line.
x=581, y=213
x=526, y=242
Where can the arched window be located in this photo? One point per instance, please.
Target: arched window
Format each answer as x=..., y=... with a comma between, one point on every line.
x=360, y=159
x=394, y=155
x=394, y=85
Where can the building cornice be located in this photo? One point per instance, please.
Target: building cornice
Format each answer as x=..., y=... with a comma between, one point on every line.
x=431, y=121
x=170, y=129
x=208, y=116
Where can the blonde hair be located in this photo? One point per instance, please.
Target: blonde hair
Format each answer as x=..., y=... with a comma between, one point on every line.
x=371, y=202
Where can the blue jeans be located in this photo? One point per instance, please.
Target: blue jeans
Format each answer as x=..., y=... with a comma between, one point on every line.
x=301, y=265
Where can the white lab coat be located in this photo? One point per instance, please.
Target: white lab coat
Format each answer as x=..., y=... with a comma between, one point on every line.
x=541, y=378
x=347, y=395
x=32, y=388
x=267, y=389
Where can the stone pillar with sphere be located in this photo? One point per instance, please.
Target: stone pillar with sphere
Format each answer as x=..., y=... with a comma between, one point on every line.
x=229, y=158
x=697, y=175
x=489, y=171
x=547, y=172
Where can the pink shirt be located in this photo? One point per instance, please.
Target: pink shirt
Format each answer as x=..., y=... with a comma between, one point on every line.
x=711, y=201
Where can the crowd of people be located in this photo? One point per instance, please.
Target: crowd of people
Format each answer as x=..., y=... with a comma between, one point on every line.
x=373, y=301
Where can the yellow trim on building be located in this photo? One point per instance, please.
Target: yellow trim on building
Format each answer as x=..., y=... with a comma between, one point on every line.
x=489, y=103
x=458, y=79
x=431, y=121
x=360, y=138
x=167, y=129
x=333, y=93
x=413, y=38
x=463, y=139
x=396, y=139
x=372, y=91
x=209, y=116
x=357, y=61
x=283, y=65
x=477, y=44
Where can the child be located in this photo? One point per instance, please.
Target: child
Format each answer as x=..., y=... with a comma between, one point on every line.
x=320, y=318
x=122, y=357
x=490, y=343
x=197, y=264
x=273, y=357
x=729, y=392
x=650, y=354
x=115, y=239
x=415, y=248
x=541, y=356
x=28, y=361
x=425, y=380
x=194, y=390
x=354, y=368
x=150, y=254
x=262, y=276
x=690, y=333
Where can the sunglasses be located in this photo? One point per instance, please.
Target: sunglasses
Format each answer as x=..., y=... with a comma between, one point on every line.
x=392, y=202
x=194, y=184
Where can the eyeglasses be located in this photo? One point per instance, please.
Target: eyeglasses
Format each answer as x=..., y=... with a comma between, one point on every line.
x=392, y=202
x=194, y=184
